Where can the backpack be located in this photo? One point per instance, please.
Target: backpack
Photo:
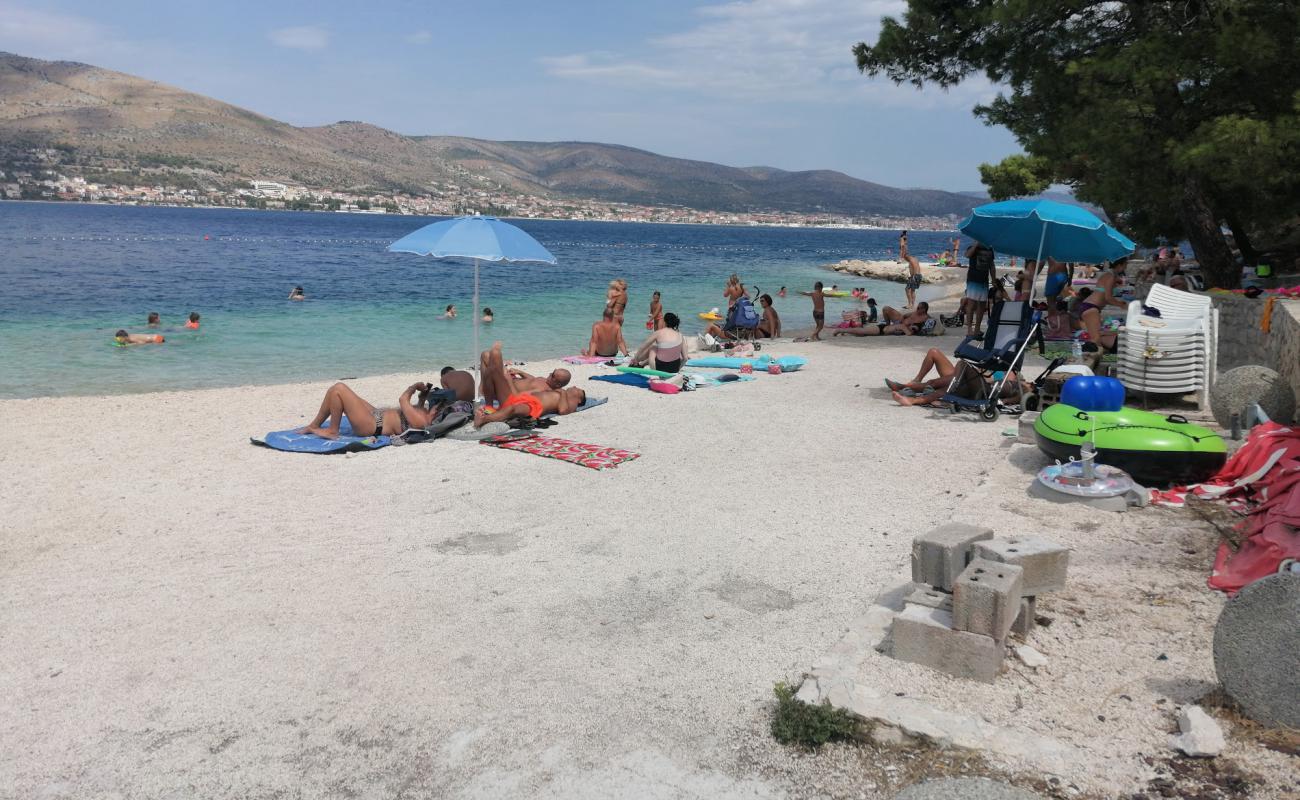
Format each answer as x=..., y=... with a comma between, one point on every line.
x=742, y=314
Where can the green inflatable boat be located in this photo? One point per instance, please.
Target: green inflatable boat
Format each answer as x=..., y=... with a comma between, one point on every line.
x=1153, y=448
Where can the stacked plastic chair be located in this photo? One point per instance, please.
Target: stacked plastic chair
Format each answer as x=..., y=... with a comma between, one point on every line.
x=1175, y=352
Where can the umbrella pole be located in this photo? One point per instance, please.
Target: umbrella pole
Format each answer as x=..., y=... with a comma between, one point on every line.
x=474, y=359
x=1038, y=264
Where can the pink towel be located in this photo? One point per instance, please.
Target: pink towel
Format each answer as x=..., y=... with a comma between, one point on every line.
x=592, y=456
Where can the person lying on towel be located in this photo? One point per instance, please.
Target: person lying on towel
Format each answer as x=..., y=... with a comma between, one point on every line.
x=367, y=420
x=513, y=399
x=896, y=323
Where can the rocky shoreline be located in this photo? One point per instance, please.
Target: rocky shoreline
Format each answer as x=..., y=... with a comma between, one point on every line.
x=895, y=271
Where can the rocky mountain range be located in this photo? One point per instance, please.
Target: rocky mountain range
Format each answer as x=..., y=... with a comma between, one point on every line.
x=112, y=120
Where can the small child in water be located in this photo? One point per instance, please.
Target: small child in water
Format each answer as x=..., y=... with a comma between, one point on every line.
x=450, y=313
x=487, y=314
x=154, y=319
x=193, y=324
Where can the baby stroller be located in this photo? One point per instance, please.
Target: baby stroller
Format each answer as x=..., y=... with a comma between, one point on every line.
x=1011, y=327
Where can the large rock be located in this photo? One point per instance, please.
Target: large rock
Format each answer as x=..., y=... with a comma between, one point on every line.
x=1257, y=650
x=965, y=789
x=1237, y=388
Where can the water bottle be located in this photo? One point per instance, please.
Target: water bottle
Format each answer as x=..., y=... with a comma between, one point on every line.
x=1076, y=349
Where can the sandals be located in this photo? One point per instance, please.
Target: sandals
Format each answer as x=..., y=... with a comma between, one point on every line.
x=894, y=386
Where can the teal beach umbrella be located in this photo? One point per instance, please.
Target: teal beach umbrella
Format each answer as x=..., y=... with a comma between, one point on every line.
x=473, y=239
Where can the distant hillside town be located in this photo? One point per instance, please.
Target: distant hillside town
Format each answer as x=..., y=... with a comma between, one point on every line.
x=44, y=173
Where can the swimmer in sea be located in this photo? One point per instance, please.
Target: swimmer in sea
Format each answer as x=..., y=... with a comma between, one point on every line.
x=193, y=323
x=124, y=339
x=154, y=320
x=487, y=314
x=450, y=313
x=297, y=295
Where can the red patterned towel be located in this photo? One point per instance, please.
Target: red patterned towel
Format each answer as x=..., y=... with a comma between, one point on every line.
x=587, y=455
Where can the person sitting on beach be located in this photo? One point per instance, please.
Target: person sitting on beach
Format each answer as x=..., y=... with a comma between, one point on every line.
x=193, y=323
x=154, y=320
x=606, y=337
x=871, y=313
x=896, y=323
x=558, y=379
x=819, y=310
x=450, y=312
x=487, y=314
x=664, y=349
x=499, y=389
x=367, y=420
x=124, y=339
x=770, y=325
x=924, y=390
x=656, y=319
x=458, y=381
x=297, y=294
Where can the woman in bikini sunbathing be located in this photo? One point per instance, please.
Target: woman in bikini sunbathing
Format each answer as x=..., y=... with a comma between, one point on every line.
x=367, y=420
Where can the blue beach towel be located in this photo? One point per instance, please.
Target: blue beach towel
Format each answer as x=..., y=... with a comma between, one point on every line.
x=625, y=379
x=291, y=442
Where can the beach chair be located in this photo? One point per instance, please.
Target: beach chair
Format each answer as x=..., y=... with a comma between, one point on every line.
x=1011, y=327
x=1174, y=353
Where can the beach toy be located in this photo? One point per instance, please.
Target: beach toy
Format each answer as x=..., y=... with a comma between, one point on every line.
x=1153, y=448
x=653, y=373
x=773, y=368
x=747, y=368
x=711, y=315
x=1092, y=393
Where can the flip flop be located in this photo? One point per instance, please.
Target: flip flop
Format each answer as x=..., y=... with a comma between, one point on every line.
x=894, y=386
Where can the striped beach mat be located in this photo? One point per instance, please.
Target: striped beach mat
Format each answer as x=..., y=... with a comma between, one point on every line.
x=592, y=456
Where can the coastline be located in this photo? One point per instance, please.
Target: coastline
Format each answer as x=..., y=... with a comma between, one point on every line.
x=895, y=271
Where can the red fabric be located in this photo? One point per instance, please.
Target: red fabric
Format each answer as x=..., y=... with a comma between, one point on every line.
x=592, y=456
x=1260, y=480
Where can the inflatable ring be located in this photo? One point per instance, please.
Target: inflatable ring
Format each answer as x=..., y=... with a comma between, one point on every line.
x=711, y=317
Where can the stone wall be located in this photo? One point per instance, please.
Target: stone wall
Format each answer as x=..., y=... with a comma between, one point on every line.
x=1242, y=342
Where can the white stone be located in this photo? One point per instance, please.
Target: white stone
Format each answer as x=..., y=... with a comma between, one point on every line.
x=887, y=734
x=1200, y=734
x=1030, y=656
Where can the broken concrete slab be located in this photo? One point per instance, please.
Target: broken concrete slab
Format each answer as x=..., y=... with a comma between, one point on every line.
x=1256, y=641
x=1030, y=657
x=1199, y=735
x=940, y=555
x=986, y=598
x=925, y=636
x=1044, y=562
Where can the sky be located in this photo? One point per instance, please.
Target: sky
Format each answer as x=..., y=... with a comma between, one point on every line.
x=743, y=83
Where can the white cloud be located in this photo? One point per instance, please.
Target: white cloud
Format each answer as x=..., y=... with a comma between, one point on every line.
x=419, y=37
x=764, y=50
x=301, y=37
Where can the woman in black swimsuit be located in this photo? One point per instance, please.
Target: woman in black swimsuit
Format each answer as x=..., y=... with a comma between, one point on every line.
x=366, y=420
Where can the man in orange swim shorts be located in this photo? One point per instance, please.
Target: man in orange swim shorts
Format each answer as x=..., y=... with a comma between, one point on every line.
x=499, y=388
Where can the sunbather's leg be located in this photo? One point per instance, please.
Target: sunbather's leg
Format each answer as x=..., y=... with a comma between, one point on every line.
x=920, y=400
x=495, y=382
x=340, y=400
x=890, y=314
x=1092, y=324
x=936, y=360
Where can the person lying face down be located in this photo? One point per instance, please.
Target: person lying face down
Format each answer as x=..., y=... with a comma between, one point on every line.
x=499, y=389
x=124, y=339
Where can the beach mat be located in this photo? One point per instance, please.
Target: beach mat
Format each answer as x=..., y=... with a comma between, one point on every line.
x=592, y=456
x=624, y=379
x=289, y=441
x=759, y=362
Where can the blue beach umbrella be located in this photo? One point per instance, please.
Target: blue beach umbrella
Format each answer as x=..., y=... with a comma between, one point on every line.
x=1037, y=228
x=473, y=239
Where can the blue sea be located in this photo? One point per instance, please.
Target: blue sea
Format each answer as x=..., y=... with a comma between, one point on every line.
x=72, y=274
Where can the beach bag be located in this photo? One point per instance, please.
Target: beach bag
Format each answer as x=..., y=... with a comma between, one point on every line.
x=742, y=314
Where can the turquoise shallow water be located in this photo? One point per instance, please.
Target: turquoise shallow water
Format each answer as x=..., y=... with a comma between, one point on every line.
x=70, y=275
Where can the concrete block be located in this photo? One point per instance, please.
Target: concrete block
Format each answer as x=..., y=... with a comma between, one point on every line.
x=1044, y=563
x=1256, y=641
x=925, y=636
x=924, y=595
x=1024, y=624
x=986, y=598
x=939, y=556
x=1025, y=428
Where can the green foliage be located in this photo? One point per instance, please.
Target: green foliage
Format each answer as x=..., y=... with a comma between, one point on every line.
x=797, y=722
x=1173, y=116
x=1016, y=176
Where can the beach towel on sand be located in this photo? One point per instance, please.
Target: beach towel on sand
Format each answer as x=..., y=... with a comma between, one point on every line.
x=595, y=359
x=292, y=442
x=592, y=456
